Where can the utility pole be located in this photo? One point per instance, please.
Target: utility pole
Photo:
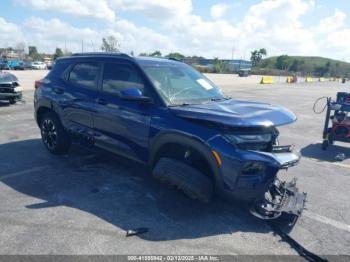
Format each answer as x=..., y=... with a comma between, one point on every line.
x=65, y=46
x=233, y=54
x=93, y=47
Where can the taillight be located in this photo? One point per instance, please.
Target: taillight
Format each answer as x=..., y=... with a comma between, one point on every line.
x=38, y=83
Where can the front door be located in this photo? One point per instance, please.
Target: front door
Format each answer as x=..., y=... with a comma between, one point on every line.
x=122, y=126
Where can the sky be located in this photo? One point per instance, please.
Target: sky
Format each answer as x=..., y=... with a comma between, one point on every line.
x=210, y=28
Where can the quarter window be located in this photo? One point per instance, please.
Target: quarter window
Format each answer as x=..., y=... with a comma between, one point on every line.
x=118, y=77
x=84, y=74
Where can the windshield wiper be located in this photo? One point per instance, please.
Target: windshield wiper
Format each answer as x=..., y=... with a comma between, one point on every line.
x=182, y=104
x=220, y=98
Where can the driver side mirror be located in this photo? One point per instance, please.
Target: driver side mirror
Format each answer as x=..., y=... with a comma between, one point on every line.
x=134, y=94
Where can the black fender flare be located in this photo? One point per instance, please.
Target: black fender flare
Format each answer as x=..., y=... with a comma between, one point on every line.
x=186, y=140
x=49, y=105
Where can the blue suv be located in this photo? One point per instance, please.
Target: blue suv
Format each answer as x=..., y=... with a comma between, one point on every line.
x=163, y=113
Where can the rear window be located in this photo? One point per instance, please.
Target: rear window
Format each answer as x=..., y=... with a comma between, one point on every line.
x=84, y=74
x=58, y=70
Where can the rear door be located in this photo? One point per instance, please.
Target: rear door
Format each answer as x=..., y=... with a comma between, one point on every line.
x=122, y=126
x=80, y=97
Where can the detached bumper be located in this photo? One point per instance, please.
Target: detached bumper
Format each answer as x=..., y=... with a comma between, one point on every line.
x=281, y=198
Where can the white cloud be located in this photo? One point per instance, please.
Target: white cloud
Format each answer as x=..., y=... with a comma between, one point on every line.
x=49, y=34
x=10, y=33
x=218, y=10
x=194, y=35
x=334, y=37
x=52, y=33
x=139, y=39
x=332, y=23
x=155, y=9
x=81, y=8
x=276, y=25
x=107, y=9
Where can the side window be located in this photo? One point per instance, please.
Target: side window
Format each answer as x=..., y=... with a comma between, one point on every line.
x=59, y=69
x=84, y=74
x=118, y=77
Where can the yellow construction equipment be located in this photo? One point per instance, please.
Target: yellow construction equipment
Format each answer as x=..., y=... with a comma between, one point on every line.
x=322, y=79
x=308, y=79
x=292, y=79
x=266, y=80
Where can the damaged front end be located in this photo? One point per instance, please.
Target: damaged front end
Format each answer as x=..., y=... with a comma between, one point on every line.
x=282, y=197
x=252, y=158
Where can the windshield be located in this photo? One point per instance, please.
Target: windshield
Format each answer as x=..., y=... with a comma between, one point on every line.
x=181, y=84
x=7, y=77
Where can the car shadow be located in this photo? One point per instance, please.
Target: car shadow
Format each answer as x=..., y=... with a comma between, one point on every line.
x=117, y=191
x=315, y=151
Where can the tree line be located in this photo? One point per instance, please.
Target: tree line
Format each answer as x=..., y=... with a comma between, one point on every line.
x=294, y=65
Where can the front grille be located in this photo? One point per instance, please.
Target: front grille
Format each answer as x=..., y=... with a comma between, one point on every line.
x=7, y=88
x=6, y=85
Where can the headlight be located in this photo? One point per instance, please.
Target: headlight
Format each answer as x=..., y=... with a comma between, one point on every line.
x=239, y=139
x=18, y=89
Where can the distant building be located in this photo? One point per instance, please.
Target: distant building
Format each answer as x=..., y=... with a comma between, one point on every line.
x=9, y=54
x=234, y=65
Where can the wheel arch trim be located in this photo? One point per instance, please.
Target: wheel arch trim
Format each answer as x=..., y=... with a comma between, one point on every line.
x=48, y=105
x=184, y=139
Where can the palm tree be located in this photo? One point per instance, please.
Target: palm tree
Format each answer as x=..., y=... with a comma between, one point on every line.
x=257, y=55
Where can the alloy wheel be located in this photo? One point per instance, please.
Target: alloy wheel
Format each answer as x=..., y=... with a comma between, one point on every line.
x=49, y=133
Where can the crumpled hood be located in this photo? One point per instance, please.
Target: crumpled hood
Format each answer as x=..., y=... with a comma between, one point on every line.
x=237, y=113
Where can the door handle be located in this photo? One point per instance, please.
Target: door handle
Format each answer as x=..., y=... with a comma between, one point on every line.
x=101, y=101
x=58, y=90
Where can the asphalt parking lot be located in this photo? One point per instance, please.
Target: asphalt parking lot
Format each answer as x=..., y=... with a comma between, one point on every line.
x=83, y=202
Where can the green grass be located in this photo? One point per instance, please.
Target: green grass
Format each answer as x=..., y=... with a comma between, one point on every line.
x=310, y=65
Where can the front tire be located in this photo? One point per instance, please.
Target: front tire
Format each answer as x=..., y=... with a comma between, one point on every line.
x=186, y=178
x=53, y=135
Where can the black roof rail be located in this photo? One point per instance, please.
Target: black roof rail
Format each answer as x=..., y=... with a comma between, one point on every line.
x=175, y=59
x=102, y=54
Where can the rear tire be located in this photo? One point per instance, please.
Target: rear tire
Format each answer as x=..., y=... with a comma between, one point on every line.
x=187, y=179
x=53, y=135
x=12, y=101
